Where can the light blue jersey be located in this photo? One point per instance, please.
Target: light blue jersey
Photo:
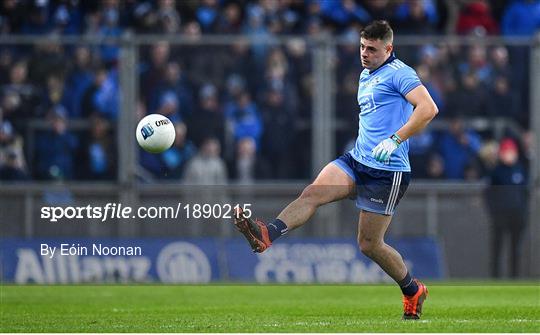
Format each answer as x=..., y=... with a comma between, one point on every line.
x=383, y=111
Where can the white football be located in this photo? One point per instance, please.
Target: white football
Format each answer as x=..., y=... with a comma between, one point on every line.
x=155, y=133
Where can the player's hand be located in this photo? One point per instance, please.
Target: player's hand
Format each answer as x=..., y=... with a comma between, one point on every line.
x=384, y=150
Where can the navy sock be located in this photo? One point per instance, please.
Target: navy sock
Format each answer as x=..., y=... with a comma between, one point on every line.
x=408, y=285
x=276, y=228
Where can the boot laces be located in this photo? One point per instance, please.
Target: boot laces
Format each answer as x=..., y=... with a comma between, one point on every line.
x=409, y=305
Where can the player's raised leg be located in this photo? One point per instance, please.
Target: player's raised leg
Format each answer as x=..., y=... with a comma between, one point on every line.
x=331, y=184
x=371, y=230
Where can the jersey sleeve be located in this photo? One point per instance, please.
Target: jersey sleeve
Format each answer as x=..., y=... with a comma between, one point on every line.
x=405, y=80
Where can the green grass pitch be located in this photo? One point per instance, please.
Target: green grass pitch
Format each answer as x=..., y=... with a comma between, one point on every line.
x=475, y=307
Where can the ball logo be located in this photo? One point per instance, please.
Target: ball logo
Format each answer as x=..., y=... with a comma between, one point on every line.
x=162, y=122
x=147, y=131
x=183, y=262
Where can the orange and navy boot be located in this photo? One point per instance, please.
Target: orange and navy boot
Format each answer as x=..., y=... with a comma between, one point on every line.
x=255, y=231
x=412, y=305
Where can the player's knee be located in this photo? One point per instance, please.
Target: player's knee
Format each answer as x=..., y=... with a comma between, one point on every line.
x=312, y=195
x=369, y=247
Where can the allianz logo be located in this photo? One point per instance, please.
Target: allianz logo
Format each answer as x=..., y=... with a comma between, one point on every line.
x=177, y=262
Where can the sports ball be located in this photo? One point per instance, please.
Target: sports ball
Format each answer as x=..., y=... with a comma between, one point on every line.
x=155, y=133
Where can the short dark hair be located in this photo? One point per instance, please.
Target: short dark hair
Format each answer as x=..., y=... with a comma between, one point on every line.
x=378, y=30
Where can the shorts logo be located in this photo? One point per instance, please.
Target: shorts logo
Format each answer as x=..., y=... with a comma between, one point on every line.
x=380, y=201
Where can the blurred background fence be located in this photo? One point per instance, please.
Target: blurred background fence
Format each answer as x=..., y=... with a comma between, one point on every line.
x=257, y=115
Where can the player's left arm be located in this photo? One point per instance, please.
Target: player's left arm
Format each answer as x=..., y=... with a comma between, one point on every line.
x=424, y=111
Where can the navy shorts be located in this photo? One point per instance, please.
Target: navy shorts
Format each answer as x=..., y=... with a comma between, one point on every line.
x=377, y=191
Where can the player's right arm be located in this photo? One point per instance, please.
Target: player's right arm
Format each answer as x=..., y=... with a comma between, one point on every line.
x=424, y=111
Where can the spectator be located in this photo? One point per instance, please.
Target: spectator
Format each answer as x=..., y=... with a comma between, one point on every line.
x=230, y=20
x=12, y=16
x=19, y=97
x=470, y=99
x=92, y=24
x=102, y=98
x=244, y=118
x=154, y=70
x=424, y=73
x=169, y=106
x=239, y=59
x=256, y=31
x=279, y=135
x=347, y=58
x=528, y=139
x=173, y=87
x=503, y=102
x=78, y=81
x=418, y=17
x=176, y=158
x=98, y=151
x=55, y=148
x=521, y=18
x=37, y=19
x=11, y=147
x=300, y=71
x=207, y=15
x=459, y=148
x=110, y=27
x=379, y=9
x=107, y=97
x=88, y=103
x=207, y=167
x=144, y=18
x=10, y=170
x=6, y=61
x=208, y=120
x=66, y=18
x=314, y=26
x=500, y=61
x=168, y=16
x=55, y=92
x=435, y=167
x=342, y=13
x=475, y=17
x=348, y=70
x=171, y=163
x=489, y=156
x=245, y=161
x=478, y=64
x=204, y=66
x=47, y=59
x=421, y=148
x=235, y=85
x=152, y=164
x=507, y=202
x=289, y=15
x=446, y=59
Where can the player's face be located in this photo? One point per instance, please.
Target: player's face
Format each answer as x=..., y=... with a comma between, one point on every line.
x=374, y=52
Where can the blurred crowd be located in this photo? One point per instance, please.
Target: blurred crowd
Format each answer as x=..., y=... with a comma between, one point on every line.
x=243, y=111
